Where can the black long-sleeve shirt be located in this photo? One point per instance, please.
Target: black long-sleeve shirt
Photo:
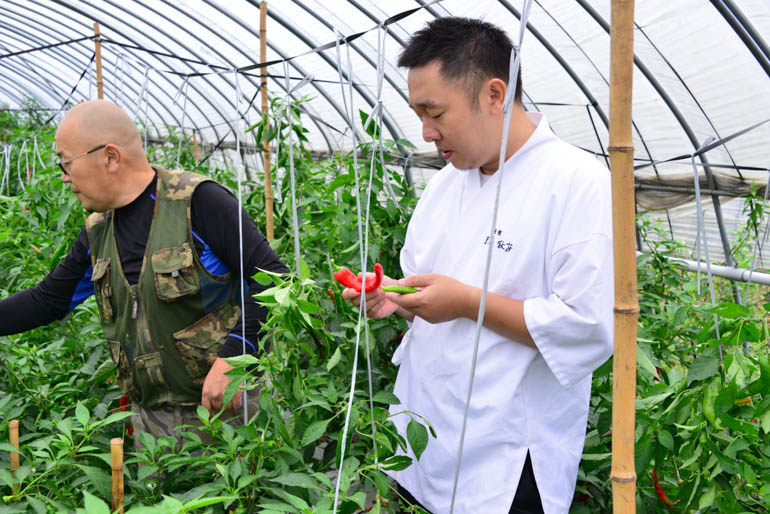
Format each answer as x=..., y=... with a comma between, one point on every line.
x=215, y=232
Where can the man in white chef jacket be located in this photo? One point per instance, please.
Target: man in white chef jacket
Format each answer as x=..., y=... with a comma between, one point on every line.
x=548, y=320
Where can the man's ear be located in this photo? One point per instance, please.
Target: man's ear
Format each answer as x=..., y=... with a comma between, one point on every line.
x=114, y=157
x=493, y=94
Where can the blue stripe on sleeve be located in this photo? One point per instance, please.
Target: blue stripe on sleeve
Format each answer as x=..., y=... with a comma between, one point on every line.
x=244, y=340
x=83, y=290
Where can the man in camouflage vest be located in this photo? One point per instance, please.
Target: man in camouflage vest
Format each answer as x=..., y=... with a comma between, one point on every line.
x=161, y=253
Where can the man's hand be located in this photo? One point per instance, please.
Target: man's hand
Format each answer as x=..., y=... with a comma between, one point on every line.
x=377, y=303
x=440, y=298
x=214, y=388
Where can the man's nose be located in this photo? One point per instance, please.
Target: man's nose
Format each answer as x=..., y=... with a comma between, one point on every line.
x=429, y=133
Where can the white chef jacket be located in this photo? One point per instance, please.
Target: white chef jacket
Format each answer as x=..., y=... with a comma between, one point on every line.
x=552, y=249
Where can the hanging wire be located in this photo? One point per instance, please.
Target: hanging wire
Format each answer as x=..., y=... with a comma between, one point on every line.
x=362, y=309
x=238, y=172
x=701, y=229
x=22, y=151
x=184, y=87
x=508, y=109
x=287, y=103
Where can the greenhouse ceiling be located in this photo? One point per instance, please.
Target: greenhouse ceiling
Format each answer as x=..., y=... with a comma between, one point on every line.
x=702, y=70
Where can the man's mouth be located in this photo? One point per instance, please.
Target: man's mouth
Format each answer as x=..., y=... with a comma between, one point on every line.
x=446, y=154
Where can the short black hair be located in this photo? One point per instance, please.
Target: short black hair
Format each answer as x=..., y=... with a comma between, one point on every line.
x=470, y=52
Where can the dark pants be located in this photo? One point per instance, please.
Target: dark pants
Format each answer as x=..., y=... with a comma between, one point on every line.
x=526, y=500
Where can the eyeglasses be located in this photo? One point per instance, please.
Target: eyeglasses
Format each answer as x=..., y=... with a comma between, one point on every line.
x=64, y=165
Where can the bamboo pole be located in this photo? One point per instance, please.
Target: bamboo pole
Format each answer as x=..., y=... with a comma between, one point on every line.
x=266, y=117
x=116, y=449
x=98, y=58
x=195, y=147
x=13, y=429
x=623, y=229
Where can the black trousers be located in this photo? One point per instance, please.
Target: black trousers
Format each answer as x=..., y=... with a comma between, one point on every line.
x=526, y=500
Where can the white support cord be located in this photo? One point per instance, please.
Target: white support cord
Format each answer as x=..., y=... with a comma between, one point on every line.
x=508, y=109
x=701, y=230
x=757, y=244
x=5, y=168
x=297, y=259
x=242, y=280
x=362, y=247
x=36, y=153
x=184, y=87
x=143, y=98
x=22, y=151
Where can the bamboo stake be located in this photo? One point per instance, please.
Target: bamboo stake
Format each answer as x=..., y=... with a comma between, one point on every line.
x=98, y=58
x=266, y=117
x=116, y=448
x=13, y=429
x=623, y=229
x=195, y=147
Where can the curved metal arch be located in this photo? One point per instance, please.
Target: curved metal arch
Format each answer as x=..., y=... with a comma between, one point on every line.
x=682, y=122
x=87, y=52
x=25, y=61
x=357, y=48
x=254, y=83
x=745, y=31
x=604, y=119
x=131, y=39
x=66, y=56
x=692, y=95
x=10, y=40
x=10, y=94
x=372, y=17
x=387, y=119
x=170, y=38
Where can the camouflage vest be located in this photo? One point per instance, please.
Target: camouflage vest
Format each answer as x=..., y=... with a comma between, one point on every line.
x=162, y=332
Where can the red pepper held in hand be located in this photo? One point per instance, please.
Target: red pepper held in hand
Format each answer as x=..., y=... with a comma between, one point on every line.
x=346, y=277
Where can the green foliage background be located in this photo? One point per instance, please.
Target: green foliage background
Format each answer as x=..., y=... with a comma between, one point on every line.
x=708, y=447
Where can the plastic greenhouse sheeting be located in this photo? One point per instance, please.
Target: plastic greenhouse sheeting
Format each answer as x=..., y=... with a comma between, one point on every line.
x=702, y=69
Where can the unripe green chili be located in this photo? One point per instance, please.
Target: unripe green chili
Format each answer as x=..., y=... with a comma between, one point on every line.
x=398, y=289
x=750, y=459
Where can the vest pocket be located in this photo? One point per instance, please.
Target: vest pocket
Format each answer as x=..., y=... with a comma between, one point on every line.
x=152, y=366
x=123, y=366
x=102, y=287
x=198, y=344
x=175, y=273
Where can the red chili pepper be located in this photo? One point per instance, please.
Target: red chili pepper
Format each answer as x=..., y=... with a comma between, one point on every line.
x=374, y=282
x=346, y=277
x=125, y=404
x=659, y=490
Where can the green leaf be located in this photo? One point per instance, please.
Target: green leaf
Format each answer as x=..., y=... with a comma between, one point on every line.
x=94, y=505
x=314, y=431
x=386, y=397
x=82, y=414
x=297, y=480
x=396, y=463
x=730, y=310
x=666, y=440
x=6, y=477
x=242, y=361
x=205, y=502
x=707, y=499
x=417, y=435
x=334, y=359
x=643, y=361
x=114, y=418
x=203, y=413
x=703, y=367
x=101, y=480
